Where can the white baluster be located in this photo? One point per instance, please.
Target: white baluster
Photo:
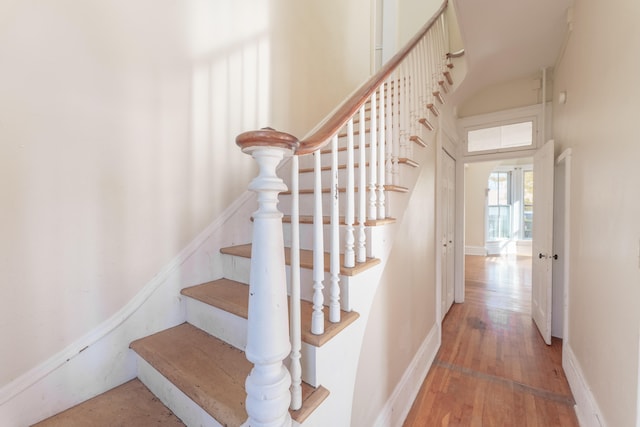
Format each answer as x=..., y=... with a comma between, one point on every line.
x=402, y=118
x=295, y=327
x=317, y=318
x=373, y=159
x=362, y=184
x=334, y=267
x=267, y=386
x=396, y=133
x=380, y=168
x=349, y=238
x=388, y=165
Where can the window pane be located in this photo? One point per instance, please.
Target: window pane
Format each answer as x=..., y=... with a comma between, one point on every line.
x=527, y=213
x=527, y=222
x=500, y=137
x=499, y=226
x=528, y=187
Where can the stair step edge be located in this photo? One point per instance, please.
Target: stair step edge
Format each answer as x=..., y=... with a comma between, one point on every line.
x=306, y=259
x=326, y=220
x=209, y=371
x=394, y=188
x=233, y=297
x=130, y=402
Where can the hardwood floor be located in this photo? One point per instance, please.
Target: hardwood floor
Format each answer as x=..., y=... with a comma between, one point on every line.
x=493, y=368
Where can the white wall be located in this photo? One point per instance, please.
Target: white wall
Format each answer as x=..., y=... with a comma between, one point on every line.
x=117, y=127
x=599, y=121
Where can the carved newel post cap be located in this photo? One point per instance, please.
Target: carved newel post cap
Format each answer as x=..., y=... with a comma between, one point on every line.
x=267, y=137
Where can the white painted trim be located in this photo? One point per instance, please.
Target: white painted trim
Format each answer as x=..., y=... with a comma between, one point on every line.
x=565, y=157
x=38, y=375
x=475, y=250
x=587, y=411
x=397, y=408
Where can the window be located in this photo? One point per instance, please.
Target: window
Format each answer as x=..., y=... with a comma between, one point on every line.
x=499, y=206
x=527, y=203
x=510, y=204
x=504, y=131
x=500, y=137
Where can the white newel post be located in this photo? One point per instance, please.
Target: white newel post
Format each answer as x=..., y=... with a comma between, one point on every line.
x=267, y=386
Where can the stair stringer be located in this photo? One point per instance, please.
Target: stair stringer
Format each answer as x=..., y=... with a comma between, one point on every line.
x=101, y=359
x=336, y=363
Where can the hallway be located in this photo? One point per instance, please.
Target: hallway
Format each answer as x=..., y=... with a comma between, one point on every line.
x=493, y=368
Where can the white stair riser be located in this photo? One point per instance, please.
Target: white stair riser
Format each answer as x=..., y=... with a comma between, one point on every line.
x=182, y=406
x=226, y=326
x=237, y=268
x=306, y=236
x=306, y=203
x=306, y=179
x=233, y=330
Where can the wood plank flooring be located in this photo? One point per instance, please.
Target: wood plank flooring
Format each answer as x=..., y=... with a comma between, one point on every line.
x=493, y=368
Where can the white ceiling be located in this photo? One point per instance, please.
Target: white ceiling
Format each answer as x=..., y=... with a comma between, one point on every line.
x=508, y=39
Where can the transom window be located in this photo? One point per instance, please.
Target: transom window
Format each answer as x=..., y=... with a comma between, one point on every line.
x=502, y=137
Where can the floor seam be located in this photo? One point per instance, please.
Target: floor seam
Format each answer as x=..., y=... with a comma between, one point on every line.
x=544, y=394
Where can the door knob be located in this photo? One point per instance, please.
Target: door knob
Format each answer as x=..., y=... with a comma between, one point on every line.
x=541, y=256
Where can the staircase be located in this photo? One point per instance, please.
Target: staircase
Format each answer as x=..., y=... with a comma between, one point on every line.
x=288, y=308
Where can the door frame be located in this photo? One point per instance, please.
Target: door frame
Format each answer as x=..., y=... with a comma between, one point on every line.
x=565, y=157
x=542, y=130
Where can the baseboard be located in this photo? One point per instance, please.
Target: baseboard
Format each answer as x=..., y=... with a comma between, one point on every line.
x=475, y=250
x=586, y=407
x=397, y=408
x=101, y=359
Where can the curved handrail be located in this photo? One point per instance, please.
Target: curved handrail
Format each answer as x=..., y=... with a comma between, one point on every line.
x=332, y=124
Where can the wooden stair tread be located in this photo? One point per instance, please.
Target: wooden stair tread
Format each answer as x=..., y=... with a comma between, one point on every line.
x=401, y=160
x=211, y=372
x=306, y=259
x=225, y=294
x=308, y=219
x=395, y=188
x=130, y=404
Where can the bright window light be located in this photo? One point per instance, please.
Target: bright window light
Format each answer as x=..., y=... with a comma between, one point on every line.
x=501, y=137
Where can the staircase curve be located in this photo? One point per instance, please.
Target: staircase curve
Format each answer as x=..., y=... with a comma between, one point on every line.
x=276, y=340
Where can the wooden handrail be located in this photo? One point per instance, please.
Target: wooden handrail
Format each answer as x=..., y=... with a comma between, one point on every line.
x=321, y=136
x=350, y=106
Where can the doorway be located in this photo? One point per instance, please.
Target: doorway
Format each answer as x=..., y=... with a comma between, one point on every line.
x=498, y=213
x=499, y=204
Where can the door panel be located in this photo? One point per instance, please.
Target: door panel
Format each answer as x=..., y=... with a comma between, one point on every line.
x=542, y=269
x=448, y=230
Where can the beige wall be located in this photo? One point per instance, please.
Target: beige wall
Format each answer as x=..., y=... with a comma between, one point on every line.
x=117, y=127
x=403, y=309
x=520, y=92
x=599, y=122
x=412, y=15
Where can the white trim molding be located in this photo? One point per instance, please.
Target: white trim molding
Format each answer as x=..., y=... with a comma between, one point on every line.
x=587, y=410
x=475, y=250
x=397, y=408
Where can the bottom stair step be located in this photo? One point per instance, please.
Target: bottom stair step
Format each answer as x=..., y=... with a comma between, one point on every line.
x=209, y=371
x=131, y=404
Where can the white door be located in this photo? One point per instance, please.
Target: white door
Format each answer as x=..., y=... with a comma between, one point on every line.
x=448, y=205
x=542, y=269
